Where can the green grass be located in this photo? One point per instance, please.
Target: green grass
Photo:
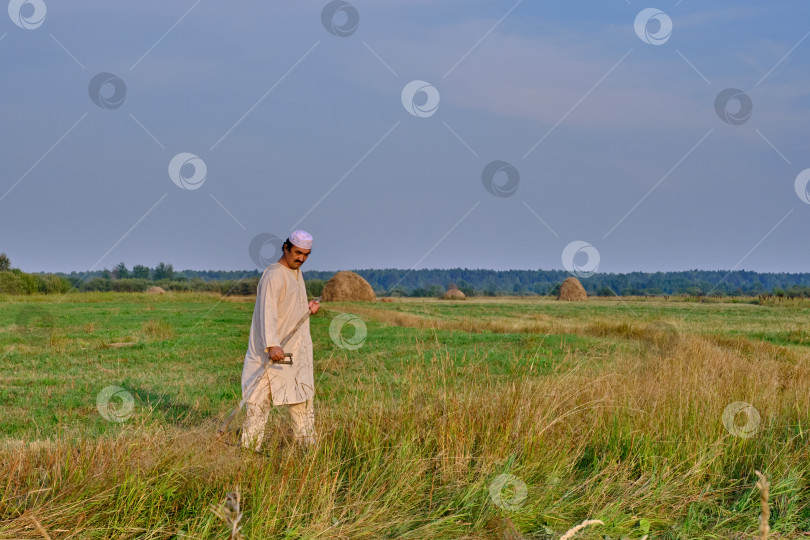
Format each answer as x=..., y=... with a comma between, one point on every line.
x=609, y=409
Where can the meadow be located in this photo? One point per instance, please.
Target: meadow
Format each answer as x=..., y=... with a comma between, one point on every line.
x=499, y=418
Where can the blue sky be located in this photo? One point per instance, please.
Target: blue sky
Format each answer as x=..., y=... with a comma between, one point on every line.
x=616, y=141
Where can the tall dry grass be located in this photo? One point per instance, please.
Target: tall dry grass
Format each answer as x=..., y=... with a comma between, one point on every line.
x=639, y=438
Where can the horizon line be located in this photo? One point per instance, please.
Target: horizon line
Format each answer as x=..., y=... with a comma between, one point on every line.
x=454, y=268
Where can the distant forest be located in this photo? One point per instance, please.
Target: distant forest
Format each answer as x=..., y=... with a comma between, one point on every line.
x=432, y=282
x=418, y=283
x=547, y=282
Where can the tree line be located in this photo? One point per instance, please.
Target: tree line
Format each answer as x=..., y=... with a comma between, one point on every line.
x=122, y=279
x=415, y=283
x=480, y=282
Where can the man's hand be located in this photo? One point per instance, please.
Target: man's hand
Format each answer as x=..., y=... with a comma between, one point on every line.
x=314, y=306
x=276, y=354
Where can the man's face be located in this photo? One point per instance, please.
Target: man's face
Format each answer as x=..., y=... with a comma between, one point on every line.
x=296, y=256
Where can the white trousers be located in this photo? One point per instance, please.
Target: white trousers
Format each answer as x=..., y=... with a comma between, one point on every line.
x=302, y=414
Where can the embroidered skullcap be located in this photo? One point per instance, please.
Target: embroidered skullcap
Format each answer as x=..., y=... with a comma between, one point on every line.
x=301, y=239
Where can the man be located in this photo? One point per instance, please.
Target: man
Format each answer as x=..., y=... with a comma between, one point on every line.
x=281, y=302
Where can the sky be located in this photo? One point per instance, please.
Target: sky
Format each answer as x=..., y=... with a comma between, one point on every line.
x=609, y=136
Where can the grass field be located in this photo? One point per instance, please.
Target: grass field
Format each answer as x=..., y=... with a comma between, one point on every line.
x=488, y=418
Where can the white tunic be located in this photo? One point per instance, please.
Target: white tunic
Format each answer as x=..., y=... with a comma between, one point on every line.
x=281, y=301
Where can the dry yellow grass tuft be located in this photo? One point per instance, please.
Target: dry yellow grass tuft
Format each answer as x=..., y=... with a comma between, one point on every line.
x=587, y=523
x=230, y=512
x=763, y=485
x=40, y=529
x=157, y=330
x=537, y=323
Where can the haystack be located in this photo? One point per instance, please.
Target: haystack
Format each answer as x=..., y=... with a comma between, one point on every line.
x=452, y=293
x=155, y=290
x=571, y=289
x=347, y=287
